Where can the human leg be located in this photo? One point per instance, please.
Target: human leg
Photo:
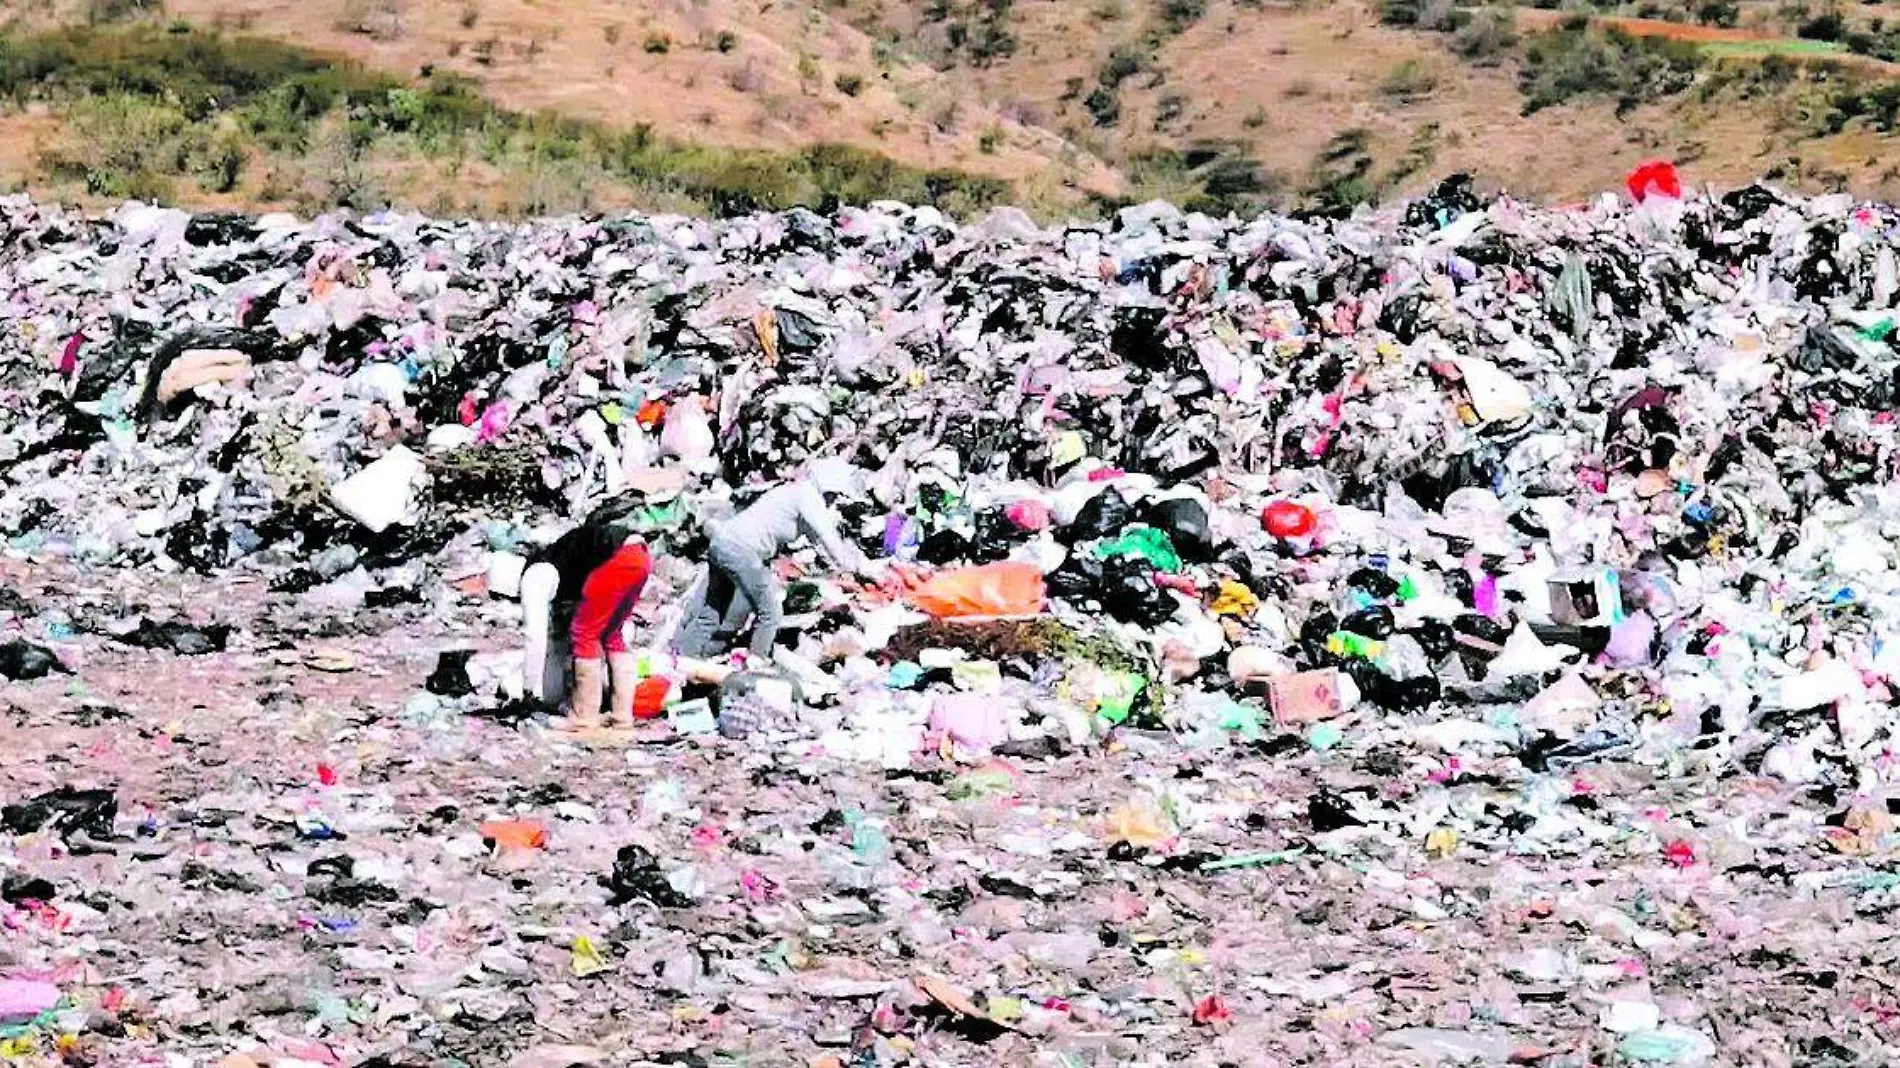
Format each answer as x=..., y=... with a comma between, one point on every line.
x=588, y=686
x=752, y=576
x=620, y=664
x=696, y=638
x=599, y=632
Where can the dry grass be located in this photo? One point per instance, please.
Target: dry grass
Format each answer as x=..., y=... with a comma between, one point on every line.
x=582, y=57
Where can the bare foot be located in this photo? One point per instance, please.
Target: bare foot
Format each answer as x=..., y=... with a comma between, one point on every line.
x=576, y=724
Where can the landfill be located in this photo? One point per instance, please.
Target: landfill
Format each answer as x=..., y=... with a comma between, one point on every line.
x=1463, y=633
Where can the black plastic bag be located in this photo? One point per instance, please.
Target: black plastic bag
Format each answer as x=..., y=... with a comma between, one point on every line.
x=1078, y=579
x=1748, y=202
x=1435, y=636
x=1402, y=695
x=1399, y=318
x=1138, y=337
x=1330, y=812
x=1105, y=515
x=1374, y=581
x=797, y=332
x=1452, y=198
x=1375, y=622
x=65, y=810
x=352, y=893
x=23, y=661
x=995, y=537
x=1185, y=522
x=181, y=638
x=514, y=712
x=637, y=877
x=15, y=889
x=943, y=547
x=219, y=228
x=450, y=677
x=1128, y=593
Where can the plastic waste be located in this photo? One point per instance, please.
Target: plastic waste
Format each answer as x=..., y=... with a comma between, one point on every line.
x=1145, y=543
x=1654, y=178
x=24, y=661
x=24, y=999
x=1004, y=589
x=66, y=810
x=1104, y=515
x=1285, y=519
x=381, y=494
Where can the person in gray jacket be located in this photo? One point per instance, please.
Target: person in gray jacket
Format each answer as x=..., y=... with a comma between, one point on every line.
x=739, y=558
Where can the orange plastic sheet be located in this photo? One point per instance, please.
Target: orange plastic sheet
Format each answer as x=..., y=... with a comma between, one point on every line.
x=1004, y=589
x=517, y=834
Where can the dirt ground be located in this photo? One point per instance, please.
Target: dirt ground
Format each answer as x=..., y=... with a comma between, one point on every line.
x=1155, y=901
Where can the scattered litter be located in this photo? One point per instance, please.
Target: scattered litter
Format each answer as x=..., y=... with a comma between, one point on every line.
x=1455, y=634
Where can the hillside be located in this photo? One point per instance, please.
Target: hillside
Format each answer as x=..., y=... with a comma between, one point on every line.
x=1061, y=105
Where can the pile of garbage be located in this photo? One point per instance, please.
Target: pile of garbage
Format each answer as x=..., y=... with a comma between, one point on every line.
x=1618, y=474
x=1428, y=560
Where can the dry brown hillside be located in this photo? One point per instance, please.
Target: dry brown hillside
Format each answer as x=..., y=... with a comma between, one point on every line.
x=1073, y=101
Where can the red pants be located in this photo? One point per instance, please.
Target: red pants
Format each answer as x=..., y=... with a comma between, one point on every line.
x=606, y=599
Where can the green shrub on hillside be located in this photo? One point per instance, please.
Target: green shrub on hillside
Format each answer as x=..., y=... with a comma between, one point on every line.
x=1486, y=37
x=1827, y=26
x=1579, y=61
x=1341, y=177
x=148, y=107
x=1878, y=106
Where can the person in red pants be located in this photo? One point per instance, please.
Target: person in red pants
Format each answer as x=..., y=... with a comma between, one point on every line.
x=607, y=598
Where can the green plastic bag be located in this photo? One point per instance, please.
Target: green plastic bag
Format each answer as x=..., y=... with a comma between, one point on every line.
x=1115, y=701
x=1150, y=544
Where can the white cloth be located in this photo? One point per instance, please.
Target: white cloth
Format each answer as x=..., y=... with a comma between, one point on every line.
x=544, y=655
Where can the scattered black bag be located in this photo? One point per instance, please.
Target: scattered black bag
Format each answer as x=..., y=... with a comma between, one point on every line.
x=1078, y=579
x=1399, y=317
x=1128, y=593
x=1402, y=695
x=1138, y=337
x=515, y=712
x=995, y=537
x=1374, y=581
x=450, y=677
x=64, y=810
x=1330, y=812
x=637, y=876
x=180, y=638
x=798, y=332
x=1375, y=622
x=1452, y=198
x=15, y=889
x=1436, y=637
x=352, y=893
x=23, y=661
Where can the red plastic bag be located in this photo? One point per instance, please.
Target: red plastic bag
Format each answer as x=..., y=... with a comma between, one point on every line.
x=649, y=697
x=1285, y=519
x=1655, y=178
x=1029, y=515
x=991, y=590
